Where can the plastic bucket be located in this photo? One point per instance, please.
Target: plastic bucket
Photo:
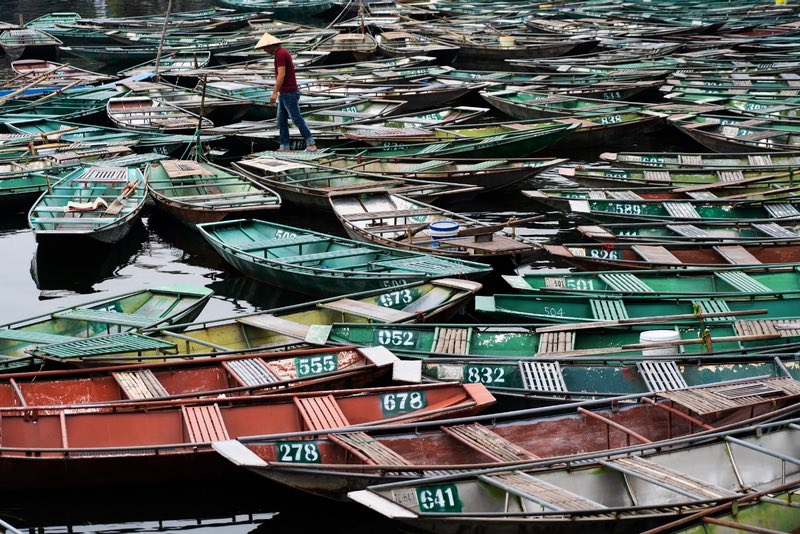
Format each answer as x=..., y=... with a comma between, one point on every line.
x=442, y=229
x=659, y=336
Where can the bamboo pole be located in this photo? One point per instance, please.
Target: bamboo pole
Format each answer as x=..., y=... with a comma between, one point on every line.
x=161, y=40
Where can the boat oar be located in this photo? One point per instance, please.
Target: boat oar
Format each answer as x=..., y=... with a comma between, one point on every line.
x=645, y=320
x=48, y=96
x=31, y=85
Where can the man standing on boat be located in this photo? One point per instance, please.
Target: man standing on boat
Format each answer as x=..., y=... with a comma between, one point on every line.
x=286, y=93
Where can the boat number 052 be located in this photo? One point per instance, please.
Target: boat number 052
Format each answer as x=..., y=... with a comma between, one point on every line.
x=485, y=375
x=396, y=297
x=396, y=338
x=300, y=452
x=314, y=365
x=403, y=401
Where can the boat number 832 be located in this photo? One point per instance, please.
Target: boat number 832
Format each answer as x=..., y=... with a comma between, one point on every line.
x=484, y=374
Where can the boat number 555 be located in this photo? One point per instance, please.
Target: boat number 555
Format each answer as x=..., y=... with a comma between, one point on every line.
x=315, y=365
x=403, y=402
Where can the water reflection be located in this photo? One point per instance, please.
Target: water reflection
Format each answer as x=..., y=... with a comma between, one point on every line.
x=78, y=267
x=31, y=9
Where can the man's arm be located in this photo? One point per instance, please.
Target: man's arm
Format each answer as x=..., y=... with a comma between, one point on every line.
x=278, y=84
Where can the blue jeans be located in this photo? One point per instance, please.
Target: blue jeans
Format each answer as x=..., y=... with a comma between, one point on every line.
x=289, y=106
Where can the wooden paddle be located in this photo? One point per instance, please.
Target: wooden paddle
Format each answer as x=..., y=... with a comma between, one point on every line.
x=119, y=202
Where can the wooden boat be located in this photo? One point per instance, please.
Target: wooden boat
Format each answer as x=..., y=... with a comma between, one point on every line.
x=663, y=255
x=772, y=510
x=623, y=311
x=428, y=118
x=123, y=313
x=739, y=134
x=195, y=378
x=707, y=207
x=169, y=442
x=404, y=44
x=197, y=192
x=347, y=461
x=322, y=264
x=530, y=101
x=172, y=63
x=399, y=222
x=100, y=203
x=28, y=43
x=348, y=47
x=710, y=178
x=310, y=185
x=516, y=144
x=145, y=113
x=701, y=283
x=490, y=175
x=703, y=235
x=752, y=160
x=297, y=10
x=287, y=326
x=633, y=491
x=485, y=345
x=57, y=73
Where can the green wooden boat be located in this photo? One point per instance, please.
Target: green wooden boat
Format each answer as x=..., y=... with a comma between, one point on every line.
x=121, y=314
x=172, y=63
x=698, y=234
x=629, y=206
x=624, y=311
x=312, y=185
x=730, y=180
x=321, y=264
x=530, y=104
x=28, y=43
x=296, y=10
x=500, y=144
x=773, y=281
x=752, y=160
x=772, y=511
x=487, y=343
x=197, y=192
x=280, y=328
x=100, y=203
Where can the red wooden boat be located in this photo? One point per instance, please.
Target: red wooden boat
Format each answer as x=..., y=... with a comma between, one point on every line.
x=231, y=375
x=169, y=443
x=344, y=461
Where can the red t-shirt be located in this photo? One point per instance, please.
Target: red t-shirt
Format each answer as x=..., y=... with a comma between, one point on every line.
x=284, y=59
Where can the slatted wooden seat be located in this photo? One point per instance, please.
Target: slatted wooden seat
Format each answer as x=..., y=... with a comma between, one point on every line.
x=108, y=316
x=104, y=175
x=367, y=310
x=541, y=492
x=681, y=210
x=742, y=281
x=661, y=375
x=718, y=398
x=690, y=159
x=730, y=176
x=624, y=195
x=280, y=242
x=395, y=214
x=758, y=160
x=320, y=413
x=737, y=255
x=656, y=254
x=250, y=372
x=424, y=264
x=758, y=136
x=479, y=438
x=177, y=168
x=776, y=230
x=595, y=232
x=702, y=195
x=608, y=309
x=271, y=323
x=108, y=344
x=451, y=340
x=204, y=424
x=369, y=450
x=676, y=481
x=30, y=336
x=597, y=195
x=688, y=230
x=625, y=282
x=542, y=376
x=781, y=210
x=657, y=176
x=553, y=343
x=714, y=306
x=761, y=327
x=141, y=384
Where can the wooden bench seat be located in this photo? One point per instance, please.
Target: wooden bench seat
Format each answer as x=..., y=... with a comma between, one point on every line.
x=330, y=255
x=737, y=255
x=204, y=424
x=320, y=413
x=366, y=448
x=272, y=323
x=479, y=438
x=141, y=384
x=656, y=254
x=367, y=310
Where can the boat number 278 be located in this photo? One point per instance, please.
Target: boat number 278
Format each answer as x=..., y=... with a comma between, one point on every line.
x=306, y=452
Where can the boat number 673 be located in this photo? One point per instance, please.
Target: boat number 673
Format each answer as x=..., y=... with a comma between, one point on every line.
x=396, y=297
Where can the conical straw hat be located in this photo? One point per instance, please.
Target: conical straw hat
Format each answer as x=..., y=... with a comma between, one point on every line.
x=267, y=40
